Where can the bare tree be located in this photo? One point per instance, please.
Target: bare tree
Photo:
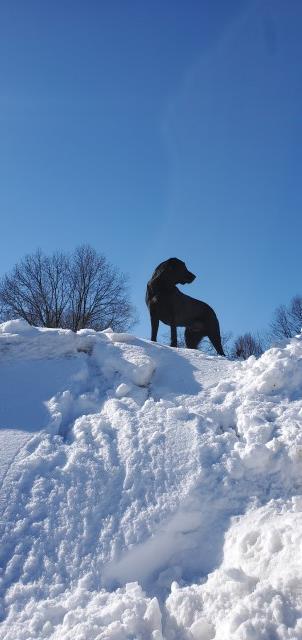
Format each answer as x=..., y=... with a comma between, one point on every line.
x=247, y=345
x=77, y=291
x=36, y=290
x=287, y=320
x=98, y=293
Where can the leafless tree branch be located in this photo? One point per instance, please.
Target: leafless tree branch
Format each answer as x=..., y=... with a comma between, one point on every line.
x=71, y=291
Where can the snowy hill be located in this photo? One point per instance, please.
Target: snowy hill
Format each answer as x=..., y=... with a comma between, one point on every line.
x=148, y=493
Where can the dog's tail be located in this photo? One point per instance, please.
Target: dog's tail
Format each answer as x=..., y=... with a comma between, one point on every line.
x=214, y=334
x=216, y=342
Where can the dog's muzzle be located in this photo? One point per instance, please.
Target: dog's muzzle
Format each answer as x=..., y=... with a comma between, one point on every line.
x=190, y=277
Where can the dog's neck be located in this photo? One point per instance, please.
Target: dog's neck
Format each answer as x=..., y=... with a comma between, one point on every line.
x=163, y=287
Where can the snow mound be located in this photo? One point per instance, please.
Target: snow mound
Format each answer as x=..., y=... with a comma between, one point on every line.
x=256, y=591
x=147, y=492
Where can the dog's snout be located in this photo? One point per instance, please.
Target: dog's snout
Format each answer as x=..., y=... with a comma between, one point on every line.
x=191, y=277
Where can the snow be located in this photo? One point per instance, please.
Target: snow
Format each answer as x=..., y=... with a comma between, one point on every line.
x=148, y=492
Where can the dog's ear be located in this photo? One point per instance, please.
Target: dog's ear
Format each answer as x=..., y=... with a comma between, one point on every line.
x=160, y=276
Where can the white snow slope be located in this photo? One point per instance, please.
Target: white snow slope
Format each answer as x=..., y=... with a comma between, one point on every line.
x=148, y=493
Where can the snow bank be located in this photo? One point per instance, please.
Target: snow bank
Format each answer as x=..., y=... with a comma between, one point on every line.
x=83, y=613
x=256, y=592
x=148, y=492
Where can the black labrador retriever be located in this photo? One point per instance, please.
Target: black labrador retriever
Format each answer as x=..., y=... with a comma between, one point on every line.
x=167, y=304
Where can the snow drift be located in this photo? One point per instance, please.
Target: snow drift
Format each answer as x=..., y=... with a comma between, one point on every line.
x=147, y=492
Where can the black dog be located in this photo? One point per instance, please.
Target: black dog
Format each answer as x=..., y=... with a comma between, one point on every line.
x=167, y=304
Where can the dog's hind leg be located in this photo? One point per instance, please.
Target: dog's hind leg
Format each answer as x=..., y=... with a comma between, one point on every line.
x=193, y=338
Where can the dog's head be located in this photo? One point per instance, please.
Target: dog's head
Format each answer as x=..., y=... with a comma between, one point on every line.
x=174, y=271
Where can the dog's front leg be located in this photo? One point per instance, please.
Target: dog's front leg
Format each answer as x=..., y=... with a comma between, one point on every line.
x=173, y=335
x=154, y=326
x=172, y=323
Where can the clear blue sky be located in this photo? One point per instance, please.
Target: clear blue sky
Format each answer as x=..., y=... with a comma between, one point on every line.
x=152, y=129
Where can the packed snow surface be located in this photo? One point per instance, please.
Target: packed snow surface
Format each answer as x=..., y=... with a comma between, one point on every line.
x=148, y=493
